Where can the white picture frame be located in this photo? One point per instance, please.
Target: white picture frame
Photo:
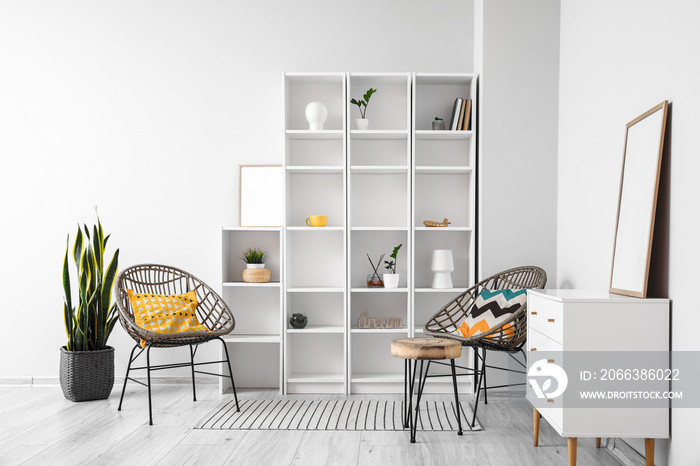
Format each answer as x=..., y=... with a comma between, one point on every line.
x=261, y=196
x=636, y=211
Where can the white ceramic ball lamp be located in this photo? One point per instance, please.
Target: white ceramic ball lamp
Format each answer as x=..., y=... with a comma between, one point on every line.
x=442, y=265
x=316, y=114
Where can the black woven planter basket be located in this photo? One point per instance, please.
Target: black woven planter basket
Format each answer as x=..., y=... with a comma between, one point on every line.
x=87, y=375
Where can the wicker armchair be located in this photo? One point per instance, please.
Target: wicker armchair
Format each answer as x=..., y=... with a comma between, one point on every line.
x=211, y=311
x=511, y=339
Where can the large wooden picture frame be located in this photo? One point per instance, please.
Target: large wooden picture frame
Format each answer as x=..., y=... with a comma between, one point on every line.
x=636, y=209
x=261, y=196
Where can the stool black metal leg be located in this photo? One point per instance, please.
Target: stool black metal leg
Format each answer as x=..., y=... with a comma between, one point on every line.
x=194, y=390
x=148, y=371
x=411, y=384
x=126, y=377
x=230, y=372
x=421, y=384
x=454, y=385
x=406, y=374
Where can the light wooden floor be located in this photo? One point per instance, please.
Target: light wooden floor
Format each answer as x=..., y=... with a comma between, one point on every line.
x=39, y=426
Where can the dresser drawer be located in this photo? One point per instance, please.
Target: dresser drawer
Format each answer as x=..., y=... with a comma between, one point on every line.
x=546, y=316
x=539, y=345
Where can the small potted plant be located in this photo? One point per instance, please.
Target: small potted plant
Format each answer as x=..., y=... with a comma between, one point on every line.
x=255, y=271
x=363, y=122
x=438, y=124
x=86, y=369
x=391, y=279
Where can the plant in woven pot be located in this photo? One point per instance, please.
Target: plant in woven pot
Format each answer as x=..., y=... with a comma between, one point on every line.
x=87, y=363
x=255, y=271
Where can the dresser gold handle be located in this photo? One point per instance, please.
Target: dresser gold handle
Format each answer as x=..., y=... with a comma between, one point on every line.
x=533, y=349
x=550, y=320
x=534, y=313
x=550, y=401
x=550, y=360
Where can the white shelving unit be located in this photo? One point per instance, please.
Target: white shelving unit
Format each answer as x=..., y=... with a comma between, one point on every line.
x=377, y=186
x=259, y=332
x=379, y=217
x=315, y=271
x=443, y=168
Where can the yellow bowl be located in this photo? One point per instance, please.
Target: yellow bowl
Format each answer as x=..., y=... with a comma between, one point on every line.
x=317, y=220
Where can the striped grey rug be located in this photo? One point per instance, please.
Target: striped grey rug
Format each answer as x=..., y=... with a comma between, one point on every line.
x=333, y=415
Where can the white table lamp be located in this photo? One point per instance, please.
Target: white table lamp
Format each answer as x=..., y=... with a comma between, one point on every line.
x=442, y=265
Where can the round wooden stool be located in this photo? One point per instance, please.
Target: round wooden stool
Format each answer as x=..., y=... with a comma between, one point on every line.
x=423, y=349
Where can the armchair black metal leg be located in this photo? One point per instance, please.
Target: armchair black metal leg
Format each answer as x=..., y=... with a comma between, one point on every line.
x=126, y=377
x=148, y=372
x=486, y=392
x=230, y=372
x=478, y=392
x=194, y=389
x=454, y=385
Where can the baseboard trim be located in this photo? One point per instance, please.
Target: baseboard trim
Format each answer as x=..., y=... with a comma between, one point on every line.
x=625, y=453
x=118, y=381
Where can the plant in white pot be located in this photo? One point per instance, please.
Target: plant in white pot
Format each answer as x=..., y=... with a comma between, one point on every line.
x=87, y=363
x=363, y=122
x=255, y=271
x=391, y=279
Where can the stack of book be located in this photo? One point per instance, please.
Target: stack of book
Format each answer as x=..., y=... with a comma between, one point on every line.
x=461, y=115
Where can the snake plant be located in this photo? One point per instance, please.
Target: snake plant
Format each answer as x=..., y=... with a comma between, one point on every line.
x=90, y=322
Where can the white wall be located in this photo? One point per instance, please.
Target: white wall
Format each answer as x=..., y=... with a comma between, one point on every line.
x=517, y=58
x=618, y=59
x=146, y=108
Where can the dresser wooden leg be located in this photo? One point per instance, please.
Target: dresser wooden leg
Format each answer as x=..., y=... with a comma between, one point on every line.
x=536, y=425
x=597, y=442
x=649, y=451
x=572, y=451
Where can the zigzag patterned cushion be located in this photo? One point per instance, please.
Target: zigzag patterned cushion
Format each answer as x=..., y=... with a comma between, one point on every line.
x=165, y=314
x=490, y=310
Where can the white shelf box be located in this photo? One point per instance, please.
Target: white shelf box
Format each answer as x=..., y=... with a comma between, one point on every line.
x=388, y=108
x=435, y=95
x=315, y=362
x=315, y=194
x=379, y=200
x=315, y=152
x=324, y=311
x=443, y=196
x=443, y=153
x=315, y=260
x=302, y=88
x=462, y=247
x=235, y=241
x=261, y=371
x=383, y=152
x=265, y=301
x=375, y=243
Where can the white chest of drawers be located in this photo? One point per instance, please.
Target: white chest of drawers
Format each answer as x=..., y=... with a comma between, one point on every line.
x=580, y=320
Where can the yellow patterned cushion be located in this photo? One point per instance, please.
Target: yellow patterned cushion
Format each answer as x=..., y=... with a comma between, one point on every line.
x=165, y=314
